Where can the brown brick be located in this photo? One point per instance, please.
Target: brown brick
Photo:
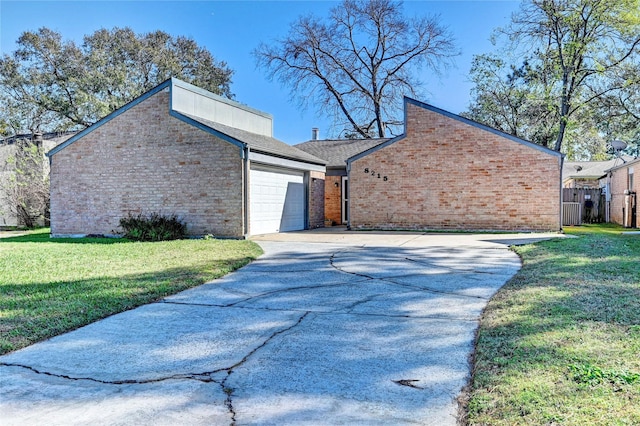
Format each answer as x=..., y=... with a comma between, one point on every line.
x=316, y=199
x=145, y=161
x=619, y=184
x=447, y=174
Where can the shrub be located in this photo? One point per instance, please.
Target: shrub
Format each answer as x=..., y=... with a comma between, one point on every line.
x=153, y=227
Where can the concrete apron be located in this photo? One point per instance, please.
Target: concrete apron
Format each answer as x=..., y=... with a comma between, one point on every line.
x=324, y=328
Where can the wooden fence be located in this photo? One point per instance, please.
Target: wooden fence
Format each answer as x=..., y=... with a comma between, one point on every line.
x=582, y=206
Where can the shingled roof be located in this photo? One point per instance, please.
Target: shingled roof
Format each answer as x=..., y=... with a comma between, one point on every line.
x=206, y=103
x=589, y=169
x=260, y=143
x=336, y=151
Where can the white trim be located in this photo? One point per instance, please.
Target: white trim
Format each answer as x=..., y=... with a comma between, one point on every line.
x=344, y=202
x=203, y=92
x=284, y=162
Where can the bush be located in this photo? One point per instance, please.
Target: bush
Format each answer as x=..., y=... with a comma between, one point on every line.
x=154, y=227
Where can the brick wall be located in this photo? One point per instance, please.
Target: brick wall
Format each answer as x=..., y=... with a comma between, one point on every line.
x=145, y=161
x=333, y=199
x=619, y=184
x=316, y=199
x=446, y=174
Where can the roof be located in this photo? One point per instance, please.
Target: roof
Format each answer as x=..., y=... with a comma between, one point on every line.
x=589, y=169
x=260, y=143
x=336, y=151
x=629, y=161
x=241, y=138
x=409, y=101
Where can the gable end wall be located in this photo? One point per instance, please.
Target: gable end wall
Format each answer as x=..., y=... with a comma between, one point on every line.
x=446, y=174
x=145, y=161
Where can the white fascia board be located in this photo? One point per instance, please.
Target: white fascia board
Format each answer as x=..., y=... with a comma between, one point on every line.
x=285, y=162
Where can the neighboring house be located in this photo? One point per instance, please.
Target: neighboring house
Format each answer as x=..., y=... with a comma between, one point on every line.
x=585, y=174
x=336, y=153
x=448, y=172
x=624, y=185
x=8, y=149
x=181, y=150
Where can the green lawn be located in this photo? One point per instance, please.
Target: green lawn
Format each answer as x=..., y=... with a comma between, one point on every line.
x=560, y=343
x=49, y=286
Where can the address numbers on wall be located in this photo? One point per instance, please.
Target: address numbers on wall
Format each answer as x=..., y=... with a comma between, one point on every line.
x=375, y=174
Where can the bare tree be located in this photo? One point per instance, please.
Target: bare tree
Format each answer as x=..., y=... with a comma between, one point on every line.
x=357, y=64
x=25, y=184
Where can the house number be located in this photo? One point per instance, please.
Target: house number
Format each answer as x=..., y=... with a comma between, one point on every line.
x=374, y=174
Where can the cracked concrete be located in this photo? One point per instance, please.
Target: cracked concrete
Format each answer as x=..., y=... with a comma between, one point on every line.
x=327, y=327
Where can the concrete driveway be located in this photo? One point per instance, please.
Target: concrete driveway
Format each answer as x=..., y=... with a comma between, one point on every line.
x=328, y=327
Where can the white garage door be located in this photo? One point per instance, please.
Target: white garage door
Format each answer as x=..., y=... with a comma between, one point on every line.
x=277, y=201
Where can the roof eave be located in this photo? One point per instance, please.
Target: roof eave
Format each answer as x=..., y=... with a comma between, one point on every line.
x=624, y=164
x=287, y=157
x=583, y=177
x=374, y=149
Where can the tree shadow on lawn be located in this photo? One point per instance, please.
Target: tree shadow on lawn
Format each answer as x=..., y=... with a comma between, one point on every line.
x=37, y=311
x=562, y=284
x=370, y=359
x=575, y=305
x=46, y=238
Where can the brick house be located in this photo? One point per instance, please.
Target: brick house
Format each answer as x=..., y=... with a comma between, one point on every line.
x=181, y=150
x=214, y=163
x=446, y=172
x=623, y=187
x=335, y=153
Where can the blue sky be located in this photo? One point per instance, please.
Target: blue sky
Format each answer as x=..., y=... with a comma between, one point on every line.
x=232, y=29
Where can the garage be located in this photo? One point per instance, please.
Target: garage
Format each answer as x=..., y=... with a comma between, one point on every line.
x=277, y=200
x=210, y=161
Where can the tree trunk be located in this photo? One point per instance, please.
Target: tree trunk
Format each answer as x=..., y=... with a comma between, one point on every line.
x=561, y=130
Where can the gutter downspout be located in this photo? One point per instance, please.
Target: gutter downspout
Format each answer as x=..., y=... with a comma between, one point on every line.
x=607, y=199
x=245, y=191
x=561, y=191
x=349, y=203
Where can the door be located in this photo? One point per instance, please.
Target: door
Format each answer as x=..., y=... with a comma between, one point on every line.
x=276, y=200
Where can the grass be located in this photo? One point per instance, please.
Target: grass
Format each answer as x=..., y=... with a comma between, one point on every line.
x=50, y=286
x=560, y=343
